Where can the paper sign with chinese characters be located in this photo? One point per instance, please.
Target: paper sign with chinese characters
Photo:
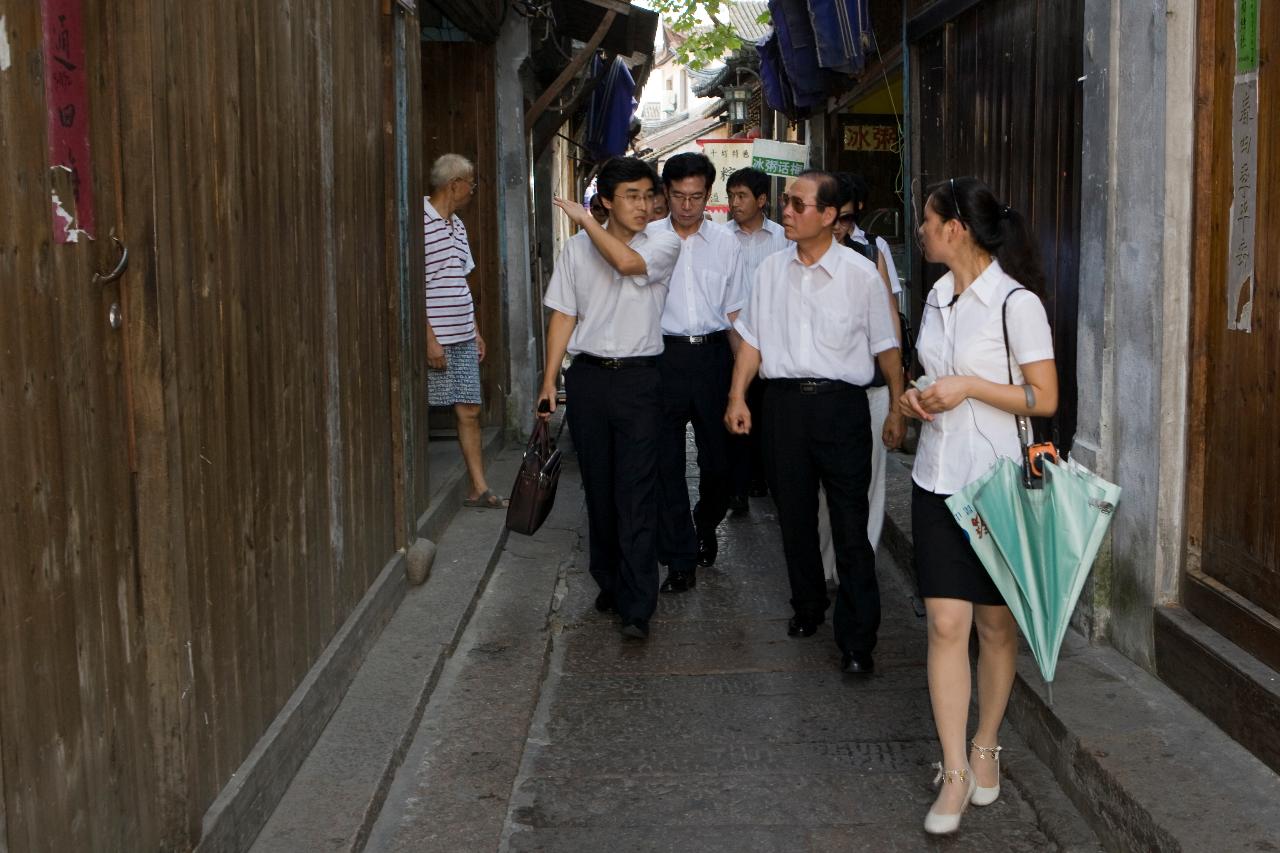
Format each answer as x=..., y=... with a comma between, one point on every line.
x=780, y=159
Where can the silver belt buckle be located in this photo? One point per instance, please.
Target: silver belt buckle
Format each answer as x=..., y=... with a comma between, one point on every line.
x=697, y=339
x=808, y=387
x=611, y=363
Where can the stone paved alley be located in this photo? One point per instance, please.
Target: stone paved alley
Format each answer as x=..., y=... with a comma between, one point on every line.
x=547, y=732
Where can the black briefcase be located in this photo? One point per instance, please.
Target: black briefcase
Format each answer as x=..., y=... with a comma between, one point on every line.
x=534, y=491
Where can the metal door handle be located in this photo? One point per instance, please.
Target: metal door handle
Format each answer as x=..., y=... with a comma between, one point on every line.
x=121, y=265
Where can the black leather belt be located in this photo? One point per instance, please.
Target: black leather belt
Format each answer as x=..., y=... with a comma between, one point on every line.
x=697, y=340
x=814, y=386
x=616, y=363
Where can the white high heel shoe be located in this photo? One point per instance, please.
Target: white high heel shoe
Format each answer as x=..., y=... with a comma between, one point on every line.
x=983, y=796
x=945, y=824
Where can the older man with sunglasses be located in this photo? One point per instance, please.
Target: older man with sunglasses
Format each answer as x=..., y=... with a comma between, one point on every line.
x=814, y=325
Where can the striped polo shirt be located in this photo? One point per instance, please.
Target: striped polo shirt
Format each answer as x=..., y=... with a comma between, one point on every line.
x=450, y=309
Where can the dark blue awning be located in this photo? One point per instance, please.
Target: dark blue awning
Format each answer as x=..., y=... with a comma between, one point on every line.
x=814, y=43
x=842, y=32
x=609, y=115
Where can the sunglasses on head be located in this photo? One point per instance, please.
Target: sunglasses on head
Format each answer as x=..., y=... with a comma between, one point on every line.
x=799, y=205
x=955, y=202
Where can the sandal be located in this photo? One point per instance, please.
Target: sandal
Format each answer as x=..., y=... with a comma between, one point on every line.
x=487, y=500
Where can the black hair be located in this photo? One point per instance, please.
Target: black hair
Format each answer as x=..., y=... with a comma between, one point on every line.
x=623, y=170
x=752, y=179
x=831, y=190
x=996, y=227
x=688, y=165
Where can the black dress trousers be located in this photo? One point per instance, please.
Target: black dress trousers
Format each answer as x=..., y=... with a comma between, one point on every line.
x=695, y=387
x=613, y=417
x=747, y=451
x=813, y=438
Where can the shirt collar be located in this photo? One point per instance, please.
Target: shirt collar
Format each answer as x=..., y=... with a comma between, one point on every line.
x=430, y=209
x=984, y=287
x=829, y=262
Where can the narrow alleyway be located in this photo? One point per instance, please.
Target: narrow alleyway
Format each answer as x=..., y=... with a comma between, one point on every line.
x=548, y=732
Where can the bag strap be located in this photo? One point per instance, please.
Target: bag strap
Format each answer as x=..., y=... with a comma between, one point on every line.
x=1023, y=422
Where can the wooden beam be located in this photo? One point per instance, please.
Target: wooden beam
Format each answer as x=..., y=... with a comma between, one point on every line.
x=570, y=71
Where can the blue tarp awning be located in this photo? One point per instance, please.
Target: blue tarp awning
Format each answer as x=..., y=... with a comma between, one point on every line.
x=609, y=115
x=813, y=42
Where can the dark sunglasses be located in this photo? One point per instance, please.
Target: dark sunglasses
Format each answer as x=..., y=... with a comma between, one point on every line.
x=799, y=205
x=847, y=218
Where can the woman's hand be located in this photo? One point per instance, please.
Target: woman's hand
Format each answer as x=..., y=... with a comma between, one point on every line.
x=944, y=394
x=909, y=406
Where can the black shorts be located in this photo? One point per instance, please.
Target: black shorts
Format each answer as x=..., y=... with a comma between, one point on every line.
x=946, y=566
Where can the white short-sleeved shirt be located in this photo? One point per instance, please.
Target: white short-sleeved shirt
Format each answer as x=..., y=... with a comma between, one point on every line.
x=825, y=321
x=758, y=245
x=883, y=248
x=451, y=310
x=967, y=339
x=707, y=284
x=618, y=316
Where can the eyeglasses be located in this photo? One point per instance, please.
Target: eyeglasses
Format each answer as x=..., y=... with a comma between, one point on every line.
x=799, y=205
x=634, y=197
x=470, y=183
x=847, y=218
x=955, y=201
x=693, y=198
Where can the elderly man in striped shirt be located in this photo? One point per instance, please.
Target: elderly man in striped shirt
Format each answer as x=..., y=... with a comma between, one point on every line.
x=454, y=346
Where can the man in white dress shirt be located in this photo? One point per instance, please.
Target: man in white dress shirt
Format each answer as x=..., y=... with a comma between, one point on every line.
x=706, y=293
x=814, y=322
x=606, y=298
x=759, y=236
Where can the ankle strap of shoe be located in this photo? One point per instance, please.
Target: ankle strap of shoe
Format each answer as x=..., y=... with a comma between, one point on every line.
x=961, y=775
x=991, y=752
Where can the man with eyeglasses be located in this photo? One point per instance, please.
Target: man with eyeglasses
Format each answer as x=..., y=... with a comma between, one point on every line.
x=454, y=345
x=707, y=291
x=815, y=324
x=606, y=298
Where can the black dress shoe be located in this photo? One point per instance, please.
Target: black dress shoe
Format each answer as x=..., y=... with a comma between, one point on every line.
x=635, y=629
x=679, y=582
x=857, y=663
x=708, y=547
x=738, y=505
x=605, y=602
x=798, y=627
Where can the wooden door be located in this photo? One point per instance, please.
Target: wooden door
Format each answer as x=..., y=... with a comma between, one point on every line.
x=1233, y=573
x=75, y=712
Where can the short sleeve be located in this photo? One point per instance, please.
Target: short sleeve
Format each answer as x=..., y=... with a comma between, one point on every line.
x=1030, y=339
x=889, y=265
x=879, y=322
x=735, y=296
x=470, y=263
x=660, y=250
x=561, y=295
x=746, y=324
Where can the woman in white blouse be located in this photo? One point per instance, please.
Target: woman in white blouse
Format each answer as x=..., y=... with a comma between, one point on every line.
x=968, y=406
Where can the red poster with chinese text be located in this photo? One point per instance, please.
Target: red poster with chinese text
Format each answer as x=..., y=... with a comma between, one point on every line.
x=66, y=90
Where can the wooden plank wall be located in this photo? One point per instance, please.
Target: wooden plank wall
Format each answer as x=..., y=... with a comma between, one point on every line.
x=458, y=86
x=997, y=97
x=239, y=151
x=73, y=711
x=1234, y=478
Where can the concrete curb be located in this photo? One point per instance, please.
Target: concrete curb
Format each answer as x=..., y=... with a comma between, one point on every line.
x=246, y=803
x=1147, y=770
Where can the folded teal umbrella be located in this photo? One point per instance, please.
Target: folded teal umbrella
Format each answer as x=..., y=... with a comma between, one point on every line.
x=1037, y=544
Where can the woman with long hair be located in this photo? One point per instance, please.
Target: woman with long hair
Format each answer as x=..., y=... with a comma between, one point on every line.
x=982, y=323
